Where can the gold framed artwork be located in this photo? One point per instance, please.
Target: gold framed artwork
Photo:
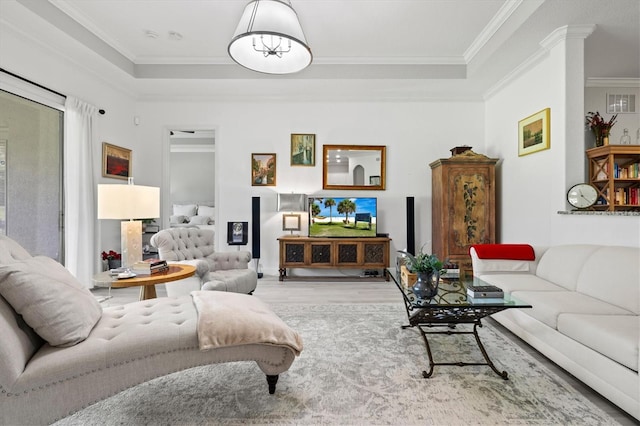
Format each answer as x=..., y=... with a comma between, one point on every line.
x=116, y=161
x=303, y=149
x=534, y=133
x=263, y=169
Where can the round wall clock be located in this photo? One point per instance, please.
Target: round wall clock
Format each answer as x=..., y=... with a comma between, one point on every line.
x=582, y=196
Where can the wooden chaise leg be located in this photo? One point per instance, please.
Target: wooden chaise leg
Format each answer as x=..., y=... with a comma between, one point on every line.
x=271, y=381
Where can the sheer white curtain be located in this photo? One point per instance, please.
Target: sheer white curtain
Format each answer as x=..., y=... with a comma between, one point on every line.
x=80, y=221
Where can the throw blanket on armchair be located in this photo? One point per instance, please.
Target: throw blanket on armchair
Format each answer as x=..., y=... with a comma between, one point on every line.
x=505, y=251
x=232, y=319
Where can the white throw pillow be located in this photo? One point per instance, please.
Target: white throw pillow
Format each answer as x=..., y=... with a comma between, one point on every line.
x=185, y=209
x=199, y=220
x=206, y=211
x=51, y=300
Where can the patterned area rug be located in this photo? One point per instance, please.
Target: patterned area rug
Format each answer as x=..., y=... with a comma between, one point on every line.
x=358, y=367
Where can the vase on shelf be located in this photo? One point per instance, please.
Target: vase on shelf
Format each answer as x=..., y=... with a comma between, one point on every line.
x=114, y=263
x=598, y=136
x=625, y=139
x=426, y=285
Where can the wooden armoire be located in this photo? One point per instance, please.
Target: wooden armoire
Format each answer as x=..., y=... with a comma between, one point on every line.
x=463, y=206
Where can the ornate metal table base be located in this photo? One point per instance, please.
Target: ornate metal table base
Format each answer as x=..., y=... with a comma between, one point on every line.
x=449, y=308
x=432, y=363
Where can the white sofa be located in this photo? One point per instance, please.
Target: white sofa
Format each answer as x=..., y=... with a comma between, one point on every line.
x=60, y=351
x=585, y=315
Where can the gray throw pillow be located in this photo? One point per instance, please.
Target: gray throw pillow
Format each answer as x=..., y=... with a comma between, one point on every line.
x=51, y=300
x=178, y=218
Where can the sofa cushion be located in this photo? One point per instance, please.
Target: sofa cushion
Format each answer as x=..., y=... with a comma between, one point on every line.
x=612, y=274
x=548, y=305
x=233, y=280
x=501, y=265
x=505, y=251
x=562, y=264
x=19, y=343
x=185, y=209
x=518, y=282
x=52, y=302
x=614, y=336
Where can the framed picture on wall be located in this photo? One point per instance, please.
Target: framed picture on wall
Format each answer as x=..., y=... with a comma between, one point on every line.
x=237, y=233
x=116, y=161
x=263, y=169
x=533, y=133
x=303, y=149
x=291, y=222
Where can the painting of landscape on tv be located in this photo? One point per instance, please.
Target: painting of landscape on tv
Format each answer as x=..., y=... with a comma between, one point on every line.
x=342, y=217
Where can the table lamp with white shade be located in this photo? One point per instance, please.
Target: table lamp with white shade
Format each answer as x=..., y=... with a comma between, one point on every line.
x=129, y=202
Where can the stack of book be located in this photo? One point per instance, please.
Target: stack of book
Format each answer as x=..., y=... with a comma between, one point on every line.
x=149, y=266
x=484, y=292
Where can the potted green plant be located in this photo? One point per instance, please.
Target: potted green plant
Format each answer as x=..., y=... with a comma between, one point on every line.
x=427, y=268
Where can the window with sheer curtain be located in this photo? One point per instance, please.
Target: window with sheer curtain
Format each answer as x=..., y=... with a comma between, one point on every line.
x=31, y=200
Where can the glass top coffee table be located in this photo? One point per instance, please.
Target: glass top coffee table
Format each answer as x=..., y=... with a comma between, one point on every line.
x=448, y=308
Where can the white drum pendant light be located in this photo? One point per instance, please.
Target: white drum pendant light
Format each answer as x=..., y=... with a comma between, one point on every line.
x=269, y=39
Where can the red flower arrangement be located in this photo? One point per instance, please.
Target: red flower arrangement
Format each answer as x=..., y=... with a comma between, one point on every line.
x=111, y=255
x=600, y=128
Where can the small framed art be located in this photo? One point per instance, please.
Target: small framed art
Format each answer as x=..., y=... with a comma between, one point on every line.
x=291, y=222
x=533, y=133
x=237, y=233
x=263, y=169
x=116, y=161
x=303, y=150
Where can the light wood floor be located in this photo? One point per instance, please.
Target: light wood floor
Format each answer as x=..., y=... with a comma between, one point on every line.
x=270, y=290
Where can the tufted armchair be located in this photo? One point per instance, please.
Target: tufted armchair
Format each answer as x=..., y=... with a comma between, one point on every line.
x=222, y=271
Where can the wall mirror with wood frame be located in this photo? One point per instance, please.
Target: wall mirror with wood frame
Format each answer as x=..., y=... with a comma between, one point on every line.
x=353, y=167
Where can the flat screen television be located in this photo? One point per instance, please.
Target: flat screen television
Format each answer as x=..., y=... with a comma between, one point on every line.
x=342, y=217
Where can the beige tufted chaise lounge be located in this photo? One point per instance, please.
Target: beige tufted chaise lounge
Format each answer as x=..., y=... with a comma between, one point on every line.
x=129, y=344
x=217, y=270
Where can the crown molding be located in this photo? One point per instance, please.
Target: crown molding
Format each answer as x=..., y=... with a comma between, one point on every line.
x=567, y=32
x=491, y=29
x=613, y=82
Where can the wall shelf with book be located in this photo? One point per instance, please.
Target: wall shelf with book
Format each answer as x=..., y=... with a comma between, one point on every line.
x=614, y=170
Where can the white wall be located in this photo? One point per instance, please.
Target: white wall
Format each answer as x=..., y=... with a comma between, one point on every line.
x=415, y=134
x=192, y=178
x=532, y=188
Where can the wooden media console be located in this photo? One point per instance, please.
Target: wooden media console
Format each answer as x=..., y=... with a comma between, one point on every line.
x=336, y=253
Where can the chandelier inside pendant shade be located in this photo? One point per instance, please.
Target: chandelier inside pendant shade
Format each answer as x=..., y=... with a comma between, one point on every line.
x=269, y=39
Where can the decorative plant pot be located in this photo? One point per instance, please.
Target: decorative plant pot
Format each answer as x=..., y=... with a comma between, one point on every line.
x=426, y=285
x=114, y=263
x=599, y=139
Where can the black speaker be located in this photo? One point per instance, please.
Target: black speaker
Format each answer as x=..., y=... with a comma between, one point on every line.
x=255, y=227
x=411, y=226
